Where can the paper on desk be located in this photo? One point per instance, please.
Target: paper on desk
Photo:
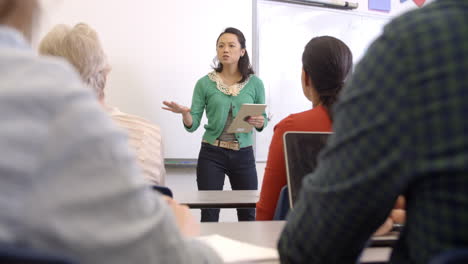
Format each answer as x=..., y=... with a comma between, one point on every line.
x=232, y=251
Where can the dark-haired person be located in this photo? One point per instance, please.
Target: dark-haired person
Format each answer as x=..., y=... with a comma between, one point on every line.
x=400, y=127
x=222, y=92
x=326, y=62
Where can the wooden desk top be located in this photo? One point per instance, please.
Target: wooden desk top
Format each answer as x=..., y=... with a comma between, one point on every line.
x=219, y=199
x=266, y=234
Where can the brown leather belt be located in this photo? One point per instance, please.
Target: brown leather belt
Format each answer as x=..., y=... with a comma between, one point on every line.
x=233, y=145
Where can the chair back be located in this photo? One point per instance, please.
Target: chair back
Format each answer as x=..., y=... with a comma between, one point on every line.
x=282, y=206
x=301, y=150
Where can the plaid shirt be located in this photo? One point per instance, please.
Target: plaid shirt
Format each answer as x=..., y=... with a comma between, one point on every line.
x=401, y=127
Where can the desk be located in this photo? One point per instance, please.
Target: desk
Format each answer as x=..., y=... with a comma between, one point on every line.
x=218, y=199
x=387, y=240
x=266, y=234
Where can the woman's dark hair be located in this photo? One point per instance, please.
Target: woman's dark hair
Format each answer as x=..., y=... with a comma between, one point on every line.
x=327, y=61
x=244, y=62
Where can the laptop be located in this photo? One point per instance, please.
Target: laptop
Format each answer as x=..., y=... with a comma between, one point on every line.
x=300, y=152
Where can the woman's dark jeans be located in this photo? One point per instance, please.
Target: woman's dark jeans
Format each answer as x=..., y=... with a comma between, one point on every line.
x=239, y=165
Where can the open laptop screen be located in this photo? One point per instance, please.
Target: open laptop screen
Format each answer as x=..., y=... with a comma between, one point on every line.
x=301, y=150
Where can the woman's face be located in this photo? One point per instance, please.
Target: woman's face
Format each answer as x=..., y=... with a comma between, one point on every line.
x=229, y=49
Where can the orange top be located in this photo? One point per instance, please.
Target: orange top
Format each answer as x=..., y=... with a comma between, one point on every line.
x=316, y=119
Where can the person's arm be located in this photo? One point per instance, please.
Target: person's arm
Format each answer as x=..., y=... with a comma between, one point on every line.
x=397, y=216
x=360, y=173
x=179, y=109
x=198, y=106
x=275, y=175
x=191, y=117
x=187, y=119
x=92, y=202
x=260, y=122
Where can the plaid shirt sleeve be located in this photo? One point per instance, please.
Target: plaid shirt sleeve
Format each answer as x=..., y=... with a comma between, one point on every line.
x=391, y=129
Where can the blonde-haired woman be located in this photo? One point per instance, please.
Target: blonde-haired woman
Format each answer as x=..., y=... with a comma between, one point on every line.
x=80, y=45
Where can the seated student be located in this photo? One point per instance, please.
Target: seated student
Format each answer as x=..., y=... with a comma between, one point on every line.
x=326, y=62
x=400, y=128
x=68, y=182
x=81, y=47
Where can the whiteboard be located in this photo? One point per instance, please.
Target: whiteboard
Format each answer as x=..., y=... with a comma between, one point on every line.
x=157, y=50
x=283, y=31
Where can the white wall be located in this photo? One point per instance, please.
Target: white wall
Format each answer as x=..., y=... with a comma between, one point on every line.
x=158, y=50
x=285, y=28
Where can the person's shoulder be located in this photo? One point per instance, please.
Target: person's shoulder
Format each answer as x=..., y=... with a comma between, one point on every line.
x=41, y=79
x=291, y=120
x=50, y=92
x=312, y=119
x=430, y=19
x=254, y=79
x=206, y=80
x=134, y=121
x=55, y=75
x=288, y=122
x=318, y=112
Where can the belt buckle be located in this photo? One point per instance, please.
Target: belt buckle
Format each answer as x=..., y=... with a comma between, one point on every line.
x=235, y=145
x=232, y=145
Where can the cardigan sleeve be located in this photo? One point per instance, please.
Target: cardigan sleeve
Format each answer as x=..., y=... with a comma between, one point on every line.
x=260, y=99
x=198, y=106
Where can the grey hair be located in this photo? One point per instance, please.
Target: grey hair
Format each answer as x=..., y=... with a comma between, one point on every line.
x=81, y=47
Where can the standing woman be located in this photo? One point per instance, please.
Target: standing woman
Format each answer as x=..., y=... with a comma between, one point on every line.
x=222, y=92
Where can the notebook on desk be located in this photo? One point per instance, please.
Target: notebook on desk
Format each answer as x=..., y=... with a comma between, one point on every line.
x=300, y=151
